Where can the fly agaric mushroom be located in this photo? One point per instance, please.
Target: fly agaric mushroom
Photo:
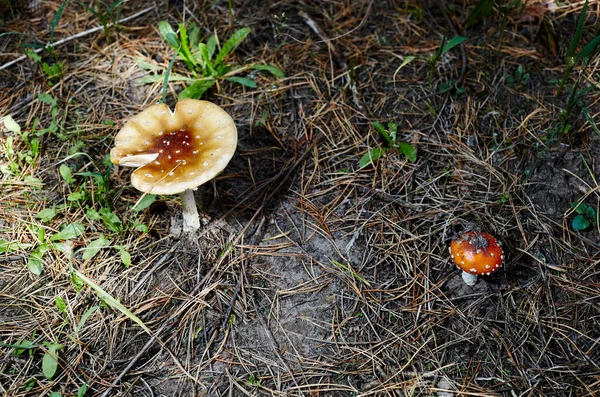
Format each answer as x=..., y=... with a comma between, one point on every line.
x=175, y=152
x=477, y=254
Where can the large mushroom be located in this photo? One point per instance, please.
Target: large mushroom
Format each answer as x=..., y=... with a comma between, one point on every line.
x=476, y=254
x=175, y=152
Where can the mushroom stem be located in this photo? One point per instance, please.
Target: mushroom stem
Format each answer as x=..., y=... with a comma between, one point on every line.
x=191, y=219
x=469, y=279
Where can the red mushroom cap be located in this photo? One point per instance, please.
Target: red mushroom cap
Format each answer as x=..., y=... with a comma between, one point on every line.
x=477, y=253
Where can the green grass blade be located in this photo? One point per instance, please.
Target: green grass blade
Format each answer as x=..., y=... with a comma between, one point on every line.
x=110, y=301
x=56, y=19
x=231, y=43
x=275, y=71
x=588, y=50
x=166, y=80
x=185, y=48
x=370, y=157
x=451, y=44
x=211, y=44
x=578, y=32
x=245, y=81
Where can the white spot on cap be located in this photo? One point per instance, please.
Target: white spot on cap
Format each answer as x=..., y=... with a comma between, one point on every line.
x=157, y=162
x=497, y=265
x=177, y=151
x=140, y=150
x=191, y=173
x=492, y=254
x=147, y=123
x=218, y=149
x=487, y=266
x=462, y=262
x=148, y=175
x=199, y=125
x=147, y=142
x=219, y=137
x=195, y=151
x=169, y=156
x=160, y=132
x=190, y=111
x=171, y=122
x=205, y=164
x=161, y=150
x=218, y=122
x=171, y=173
x=197, y=136
x=473, y=270
x=201, y=143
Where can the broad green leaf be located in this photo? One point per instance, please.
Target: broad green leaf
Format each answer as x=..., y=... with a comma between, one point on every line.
x=10, y=124
x=47, y=214
x=193, y=35
x=145, y=202
x=236, y=38
x=196, y=90
x=167, y=32
x=35, y=262
x=452, y=43
x=94, y=247
x=8, y=246
x=112, y=302
x=393, y=129
x=143, y=64
x=47, y=98
x=383, y=132
x=370, y=157
x=50, y=359
x=408, y=150
x=82, y=390
x=66, y=174
x=248, y=82
x=580, y=222
x=55, y=394
x=211, y=45
x=185, y=49
x=92, y=214
x=84, y=318
x=125, y=257
x=111, y=221
x=72, y=230
x=60, y=304
x=275, y=71
x=156, y=78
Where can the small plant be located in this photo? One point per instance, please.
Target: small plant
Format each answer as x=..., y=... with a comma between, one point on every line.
x=519, y=77
x=109, y=17
x=53, y=71
x=389, y=135
x=586, y=216
x=204, y=60
x=442, y=50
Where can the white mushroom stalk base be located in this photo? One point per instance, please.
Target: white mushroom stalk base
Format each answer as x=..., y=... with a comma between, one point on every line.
x=191, y=219
x=469, y=279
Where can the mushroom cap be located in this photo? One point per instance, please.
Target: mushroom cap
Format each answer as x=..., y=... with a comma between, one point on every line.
x=176, y=151
x=477, y=253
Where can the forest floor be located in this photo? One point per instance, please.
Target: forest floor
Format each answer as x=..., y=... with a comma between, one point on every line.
x=313, y=274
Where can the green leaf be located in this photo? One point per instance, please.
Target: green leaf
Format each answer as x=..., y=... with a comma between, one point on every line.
x=588, y=50
x=193, y=35
x=82, y=390
x=143, y=64
x=47, y=98
x=56, y=19
x=236, y=38
x=8, y=246
x=580, y=222
x=248, y=82
x=35, y=263
x=275, y=71
x=84, y=318
x=211, y=45
x=185, y=49
x=65, y=172
x=578, y=32
x=196, y=90
x=92, y=214
x=590, y=120
x=55, y=394
x=10, y=124
x=155, y=78
x=47, y=214
x=60, y=304
x=50, y=359
x=111, y=221
x=408, y=150
x=72, y=230
x=452, y=43
x=145, y=202
x=370, y=157
x=94, y=247
x=481, y=11
x=383, y=132
x=393, y=129
x=167, y=32
x=112, y=302
x=125, y=257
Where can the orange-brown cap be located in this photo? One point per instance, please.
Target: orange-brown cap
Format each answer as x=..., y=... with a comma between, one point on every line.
x=477, y=253
x=176, y=151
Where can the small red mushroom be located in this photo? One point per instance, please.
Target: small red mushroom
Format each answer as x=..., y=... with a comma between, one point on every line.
x=476, y=254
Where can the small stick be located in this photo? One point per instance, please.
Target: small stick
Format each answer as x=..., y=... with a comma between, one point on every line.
x=75, y=36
